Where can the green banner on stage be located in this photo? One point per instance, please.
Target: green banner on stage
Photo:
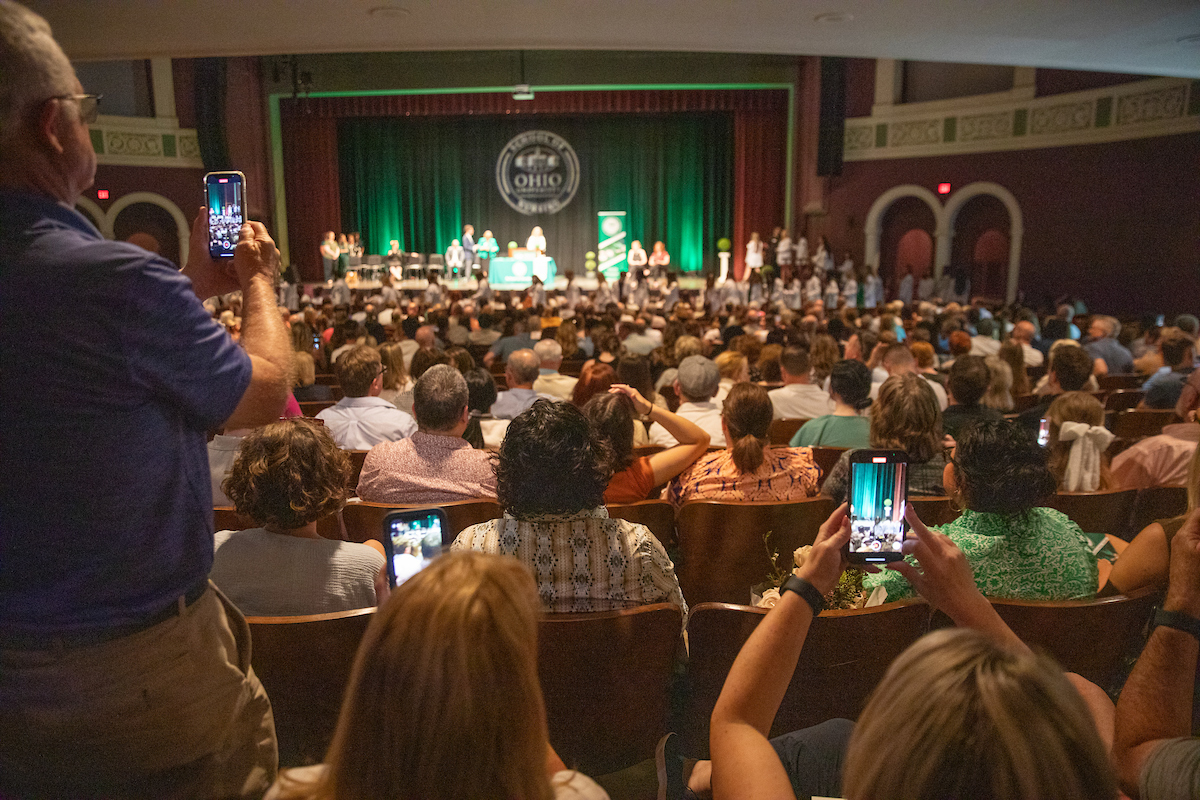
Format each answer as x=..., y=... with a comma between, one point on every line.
x=611, y=258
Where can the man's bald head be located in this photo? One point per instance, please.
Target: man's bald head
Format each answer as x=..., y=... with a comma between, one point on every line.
x=522, y=369
x=1024, y=332
x=425, y=337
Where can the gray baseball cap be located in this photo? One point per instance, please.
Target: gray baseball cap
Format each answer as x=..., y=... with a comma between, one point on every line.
x=698, y=377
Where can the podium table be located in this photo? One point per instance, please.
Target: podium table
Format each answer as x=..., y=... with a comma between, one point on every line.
x=516, y=272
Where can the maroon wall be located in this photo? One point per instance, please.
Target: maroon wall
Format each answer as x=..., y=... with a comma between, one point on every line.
x=182, y=186
x=1114, y=224
x=1061, y=81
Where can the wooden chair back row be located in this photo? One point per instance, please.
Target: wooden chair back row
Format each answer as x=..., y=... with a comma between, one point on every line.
x=781, y=431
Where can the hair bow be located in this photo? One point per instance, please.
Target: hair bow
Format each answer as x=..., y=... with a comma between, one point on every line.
x=1083, y=463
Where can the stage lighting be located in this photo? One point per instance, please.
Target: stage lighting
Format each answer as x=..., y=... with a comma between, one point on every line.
x=522, y=92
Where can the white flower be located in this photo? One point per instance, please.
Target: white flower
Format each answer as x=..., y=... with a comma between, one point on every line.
x=768, y=600
x=800, y=556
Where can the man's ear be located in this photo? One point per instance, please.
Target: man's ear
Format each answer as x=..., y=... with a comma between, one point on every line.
x=466, y=414
x=47, y=125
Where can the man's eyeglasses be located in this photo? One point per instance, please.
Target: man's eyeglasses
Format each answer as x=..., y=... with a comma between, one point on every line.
x=89, y=105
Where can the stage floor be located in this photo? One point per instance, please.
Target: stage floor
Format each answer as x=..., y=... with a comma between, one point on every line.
x=469, y=285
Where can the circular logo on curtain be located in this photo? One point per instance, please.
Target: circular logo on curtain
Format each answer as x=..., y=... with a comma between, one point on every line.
x=537, y=172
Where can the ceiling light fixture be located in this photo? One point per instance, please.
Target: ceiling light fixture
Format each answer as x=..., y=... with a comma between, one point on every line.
x=830, y=17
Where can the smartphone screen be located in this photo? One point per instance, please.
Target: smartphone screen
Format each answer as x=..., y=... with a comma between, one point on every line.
x=1043, y=433
x=878, y=494
x=412, y=539
x=226, y=193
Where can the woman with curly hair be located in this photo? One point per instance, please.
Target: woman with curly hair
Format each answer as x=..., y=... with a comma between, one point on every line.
x=286, y=477
x=1017, y=548
x=550, y=480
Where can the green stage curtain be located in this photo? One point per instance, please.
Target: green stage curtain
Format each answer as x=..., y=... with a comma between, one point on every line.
x=418, y=180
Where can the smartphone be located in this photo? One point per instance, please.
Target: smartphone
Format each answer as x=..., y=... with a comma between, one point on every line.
x=411, y=540
x=1043, y=432
x=226, y=197
x=878, y=495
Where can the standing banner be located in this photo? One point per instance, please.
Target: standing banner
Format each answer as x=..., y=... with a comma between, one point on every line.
x=611, y=256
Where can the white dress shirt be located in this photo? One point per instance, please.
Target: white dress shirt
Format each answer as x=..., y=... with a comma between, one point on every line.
x=800, y=401
x=707, y=415
x=360, y=423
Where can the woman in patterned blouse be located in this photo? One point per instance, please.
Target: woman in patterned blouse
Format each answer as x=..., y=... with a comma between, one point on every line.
x=1017, y=549
x=749, y=468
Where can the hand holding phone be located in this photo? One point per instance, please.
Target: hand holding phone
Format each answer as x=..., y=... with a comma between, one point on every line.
x=878, y=495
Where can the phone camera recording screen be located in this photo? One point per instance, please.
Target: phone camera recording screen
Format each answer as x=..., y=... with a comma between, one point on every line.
x=876, y=516
x=415, y=542
x=225, y=204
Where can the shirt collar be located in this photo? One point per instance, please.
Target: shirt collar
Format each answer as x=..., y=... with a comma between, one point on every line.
x=440, y=442
x=363, y=402
x=599, y=512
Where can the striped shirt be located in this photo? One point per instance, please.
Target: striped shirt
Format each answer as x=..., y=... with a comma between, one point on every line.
x=583, y=562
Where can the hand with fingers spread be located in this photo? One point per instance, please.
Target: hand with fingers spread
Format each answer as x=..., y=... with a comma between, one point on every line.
x=827, y=560
x=640, y=404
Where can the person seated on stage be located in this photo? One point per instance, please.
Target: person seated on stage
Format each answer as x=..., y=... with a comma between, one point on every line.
x=486, y=247
x=965, y=712
x=1078, y=440
x=362, y=419
x=520, y=371
x=1017, y=548
x=550, y=381
x=446, y=676
x=612, y=414
x=435, y=464
x=636, y=257
x=287, y=476
x=456, y=258
x=798, y=398
x=659, y=257
x=550, y=480
x=536, y=241
x=750, y=468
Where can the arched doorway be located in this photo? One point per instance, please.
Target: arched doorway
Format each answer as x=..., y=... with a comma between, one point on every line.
x=881, y=210
x=906, y=243
x=980, y=210
x=142, y=223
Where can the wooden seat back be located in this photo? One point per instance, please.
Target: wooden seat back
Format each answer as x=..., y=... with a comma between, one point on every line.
x=1098, y=512
x=364, y=521
x=357, y=458
x=935, y=510
x=826, y=458
x=304, y=663
x=1136, y=423
x=1024, y=402
x=657, y=515
x=1159, y=502
x=606, y=681
x=1090, y=637
x=845, y=656
x=781, y=431
x=1122, y=399
x=721, y=548
x=1117, y=381
x=311, y=408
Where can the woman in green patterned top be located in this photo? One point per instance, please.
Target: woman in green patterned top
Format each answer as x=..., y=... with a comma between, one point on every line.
x=1017, y=549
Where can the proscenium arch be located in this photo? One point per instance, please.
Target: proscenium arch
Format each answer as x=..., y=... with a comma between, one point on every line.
x=874, y=225
x=181, y=223
x=1016, y=226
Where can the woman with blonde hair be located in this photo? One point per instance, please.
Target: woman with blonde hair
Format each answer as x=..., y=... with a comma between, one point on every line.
x=734, y=368
x=905, y=416
x=1077, y=443
x=1013, y=354
x=967, y=712
x=749, y=468
x=999, y=392
x=823, y=356
x=567, y=337
x=395, y=376
x=444, y=701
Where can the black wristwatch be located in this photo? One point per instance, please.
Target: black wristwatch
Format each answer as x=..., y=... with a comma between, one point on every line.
x=1170, y=619
x=810, y=593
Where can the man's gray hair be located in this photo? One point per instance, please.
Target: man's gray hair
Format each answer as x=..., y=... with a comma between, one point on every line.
x=439, y=397
x=548, y=350
x=523, y=365
x=33, y=68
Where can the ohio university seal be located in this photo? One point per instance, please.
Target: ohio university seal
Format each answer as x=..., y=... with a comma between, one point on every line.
x=537, y=172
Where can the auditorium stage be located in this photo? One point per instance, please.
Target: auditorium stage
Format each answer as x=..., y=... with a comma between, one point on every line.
x=588, y=283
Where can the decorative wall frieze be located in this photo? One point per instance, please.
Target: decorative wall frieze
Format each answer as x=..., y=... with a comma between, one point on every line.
x=133, y=142
x=1142, y=109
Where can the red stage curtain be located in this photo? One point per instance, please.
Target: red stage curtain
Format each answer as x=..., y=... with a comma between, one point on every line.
x=314, y=203
x=309, y=127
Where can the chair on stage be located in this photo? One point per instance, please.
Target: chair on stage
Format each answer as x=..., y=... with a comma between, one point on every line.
x=722, y=552
x=413, y=266
x=844, y=658
x=437, y=263
x=304, y=663
x=606, y=681
x=1090, y=637
x=781, y=431
x=1105, y=512
x=657, y=515
x=364, y=521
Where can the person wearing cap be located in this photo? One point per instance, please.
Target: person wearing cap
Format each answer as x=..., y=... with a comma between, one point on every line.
x=696, y=384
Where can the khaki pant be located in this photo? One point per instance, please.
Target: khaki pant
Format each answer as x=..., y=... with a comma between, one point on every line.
x=171, y=711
